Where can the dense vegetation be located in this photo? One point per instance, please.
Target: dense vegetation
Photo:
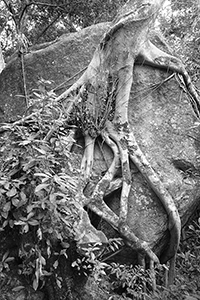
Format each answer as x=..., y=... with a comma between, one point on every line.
x=38, y=215
x=26, y=23
x=43, y=21
x=181, y=27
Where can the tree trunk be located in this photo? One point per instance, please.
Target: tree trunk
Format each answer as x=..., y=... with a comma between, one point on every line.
x=2, y=63
x=106, y=85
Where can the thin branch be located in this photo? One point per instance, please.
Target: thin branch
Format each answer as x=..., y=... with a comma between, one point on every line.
x=68, y=80
x=47, y=27
x=24, y=79
x=43, y=4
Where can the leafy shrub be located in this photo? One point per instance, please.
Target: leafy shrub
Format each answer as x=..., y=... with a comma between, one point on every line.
x=134, y=281
x=38, y=184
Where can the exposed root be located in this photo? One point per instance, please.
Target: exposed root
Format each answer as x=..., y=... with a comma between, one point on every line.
x=114, y=185
x=147, y=171
x=126, y=174
x=73, y=90
x=151, y=55
x=96, y=203
x=153, y=275
x=142, y=263
x=87, y=160
x=136, y=243
x=111, y=68
x=171, y=274
x=103, y=185
x=158, y=187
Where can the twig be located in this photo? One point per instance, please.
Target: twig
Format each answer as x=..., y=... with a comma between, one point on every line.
x=24, y=79
x=47, y=27
x=111, y=255
x=68, y=80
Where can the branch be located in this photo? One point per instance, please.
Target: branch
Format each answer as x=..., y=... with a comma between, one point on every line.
x=35, y=3
x=43, y=4
x=47, y=27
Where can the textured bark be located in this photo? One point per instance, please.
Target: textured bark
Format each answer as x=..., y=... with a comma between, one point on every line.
x=2, y=62
x=111, y=71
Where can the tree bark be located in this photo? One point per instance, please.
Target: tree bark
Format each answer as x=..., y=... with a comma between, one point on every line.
x=106, y=83
x=2, y=62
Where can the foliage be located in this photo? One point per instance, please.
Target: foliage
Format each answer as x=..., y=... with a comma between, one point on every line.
x=95, y=256
x=37, y=187
x=186, y=286
x=44, y=21
x=134, y=281
x=181, y=26
x=38, y=184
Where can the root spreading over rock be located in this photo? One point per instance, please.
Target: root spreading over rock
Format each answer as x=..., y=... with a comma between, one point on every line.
x=98, y=103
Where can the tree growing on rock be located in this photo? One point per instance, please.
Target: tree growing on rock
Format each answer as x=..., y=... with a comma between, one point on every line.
x=105, y=86
x=98, y=103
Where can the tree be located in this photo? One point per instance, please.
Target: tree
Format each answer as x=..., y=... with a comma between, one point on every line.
x=181, y=26
x=2, y=63
x=45, y=21
x=98, y=104
x=109, y=78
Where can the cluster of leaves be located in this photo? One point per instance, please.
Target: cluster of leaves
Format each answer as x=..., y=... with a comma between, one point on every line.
x=186, y=285
x=131, y=282
x=90, y=263
x=37, y=186
x=181, y=26
x=188, y=260
x=94, y=107
x=134, y=282
x=95, y=256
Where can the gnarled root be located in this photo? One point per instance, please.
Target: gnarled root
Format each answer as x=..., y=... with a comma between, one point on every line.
x=87, y=160
x=153, y=56
x=111, y=69
x=146, y=170
x=96, y=203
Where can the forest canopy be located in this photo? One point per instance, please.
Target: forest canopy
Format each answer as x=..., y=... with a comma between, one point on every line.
x=43, y=21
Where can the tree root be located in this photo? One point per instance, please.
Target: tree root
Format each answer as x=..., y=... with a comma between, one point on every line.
x=139, y=159
x=112, y=68
x=96, y=203
x=153, y=56
x=87, y=160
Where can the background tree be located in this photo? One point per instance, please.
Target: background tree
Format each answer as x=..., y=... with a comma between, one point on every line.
x=181, y=26
x=43, y=21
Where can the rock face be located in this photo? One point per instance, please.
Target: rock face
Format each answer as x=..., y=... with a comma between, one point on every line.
x=159, y=112
x=164, y=125
x=56, y=62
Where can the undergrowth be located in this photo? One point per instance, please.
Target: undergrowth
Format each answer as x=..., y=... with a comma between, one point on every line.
x=39, y=177
x=38, y=182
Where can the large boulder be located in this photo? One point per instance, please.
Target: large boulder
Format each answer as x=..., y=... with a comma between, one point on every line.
x=160, y=114
x=55, y=62
x=166, y=129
